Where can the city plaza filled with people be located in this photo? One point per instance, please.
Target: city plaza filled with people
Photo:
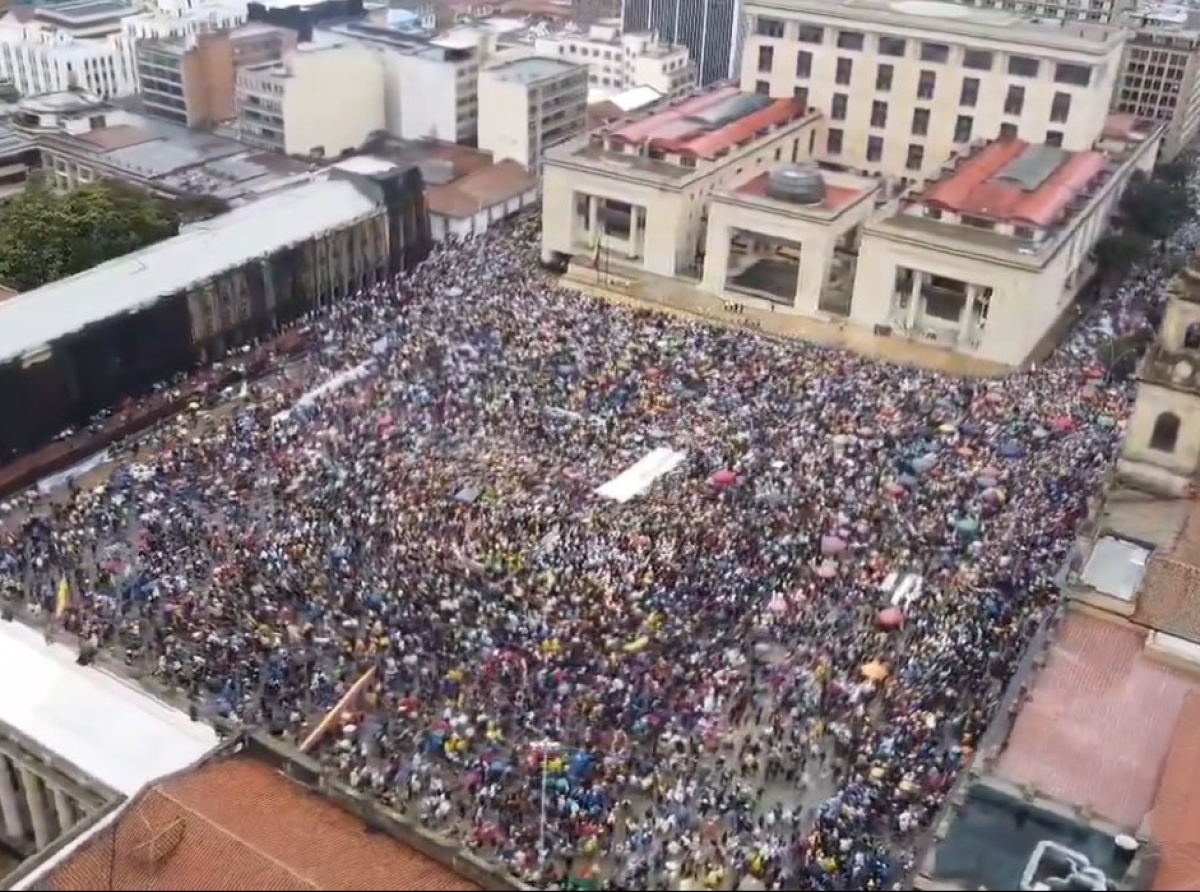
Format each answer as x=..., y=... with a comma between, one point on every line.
x=709, y=684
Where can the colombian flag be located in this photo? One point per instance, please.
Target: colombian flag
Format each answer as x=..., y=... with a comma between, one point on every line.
x=63, y=599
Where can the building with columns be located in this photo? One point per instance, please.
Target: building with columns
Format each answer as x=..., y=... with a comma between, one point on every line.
x=636, y=194
x=76, y=740
x=721, y=192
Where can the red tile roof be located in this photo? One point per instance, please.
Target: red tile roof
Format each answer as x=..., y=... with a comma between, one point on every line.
x=675, y=129
x=972, y=189
x=836, y=197
x=239, y=824
x=1097, y=726
x=1175, y=821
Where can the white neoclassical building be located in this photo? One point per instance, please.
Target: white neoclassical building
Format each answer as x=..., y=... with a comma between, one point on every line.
x=75, y=741
x=979, y=257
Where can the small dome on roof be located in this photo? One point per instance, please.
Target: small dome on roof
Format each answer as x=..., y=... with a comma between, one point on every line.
x=797, y=184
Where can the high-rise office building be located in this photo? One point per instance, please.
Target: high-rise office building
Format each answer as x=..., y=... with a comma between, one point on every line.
x=708, y=28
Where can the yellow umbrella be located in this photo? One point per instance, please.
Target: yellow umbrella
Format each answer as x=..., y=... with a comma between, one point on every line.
x=875, y=671
x=637, y=645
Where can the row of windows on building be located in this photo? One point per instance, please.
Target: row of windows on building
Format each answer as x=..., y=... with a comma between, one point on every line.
x=915, y=157
x=1014, y=99
x=939, y=53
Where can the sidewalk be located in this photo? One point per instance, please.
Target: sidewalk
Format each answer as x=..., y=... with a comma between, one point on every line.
x=684, y=301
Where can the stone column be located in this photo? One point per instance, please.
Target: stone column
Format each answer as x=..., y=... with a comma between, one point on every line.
x=65, y=810
x=914, y=299
x=14, y=826
x=594, y=217
x=37, y=808
x=633, y=231
x=967, y=320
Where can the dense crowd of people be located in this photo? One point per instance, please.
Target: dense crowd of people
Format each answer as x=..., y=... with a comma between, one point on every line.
x=763, y=671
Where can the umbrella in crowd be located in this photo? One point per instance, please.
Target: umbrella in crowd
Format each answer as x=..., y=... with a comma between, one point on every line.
x=661, y=690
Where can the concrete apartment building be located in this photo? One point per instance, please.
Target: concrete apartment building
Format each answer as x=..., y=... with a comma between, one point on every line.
x=91, y=44
x=302, y=106
x=529, y=104
x=1160, y=75
x=1103, y=11
x=904, y=84
x=191, y=81
x=617, y=61
x=430, y=89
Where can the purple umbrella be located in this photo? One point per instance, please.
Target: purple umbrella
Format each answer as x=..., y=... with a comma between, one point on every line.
x=827, y=570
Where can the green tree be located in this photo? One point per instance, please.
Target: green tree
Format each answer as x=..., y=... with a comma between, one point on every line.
x=1155, y=207
x=45, y=235
x=1118, y=252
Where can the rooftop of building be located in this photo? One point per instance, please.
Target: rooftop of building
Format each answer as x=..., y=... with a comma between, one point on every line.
x=411, y=42
x=161, y=154
x=238, y=822
x=11, y=143
x=1169, y=600
x=531, y=69
x=1175, y=818
x=1095, y=728
x=1167, y=18
x=1013, y=181
x=126, y=284
x=104, y=728
x=841, y=191
x=1128, y=127
x=942, y=17
x=479, y=190
x=706, y=124
x=87, y=10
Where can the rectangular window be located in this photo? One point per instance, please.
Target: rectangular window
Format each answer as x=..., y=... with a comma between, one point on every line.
x=844, y=69
x=963, y=125
x=1023, y=66
x=926, y=83
x=803, y=64
x=763, y=88
x=892, y=46
x=1008, y=131
x=850, y=40
x=916, y=157
x=920, y=122
x=833, y=142
x=978, y=60
x=1054, y=138
x=874, y=148
x=837, y=109
x=970, y=92
x=811, y=34
x=1060, y=108
x=768, y=27
x=1075, y=75
x=934, y=52
x=883, y=77
x=1014, y=102
x=801, y=93
x=766, y=58
x=879, y=113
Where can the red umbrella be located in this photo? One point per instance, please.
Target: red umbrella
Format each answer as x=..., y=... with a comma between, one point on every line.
x=891, y=618
x=724, y=478
x=1062, y=424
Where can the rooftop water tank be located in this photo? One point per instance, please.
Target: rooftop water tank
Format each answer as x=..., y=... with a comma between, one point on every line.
x=796, y=184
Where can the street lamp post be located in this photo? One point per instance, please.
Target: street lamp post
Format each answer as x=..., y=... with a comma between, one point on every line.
x=544, y=747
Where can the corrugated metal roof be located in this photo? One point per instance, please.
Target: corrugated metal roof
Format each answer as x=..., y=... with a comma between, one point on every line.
x=36, y=318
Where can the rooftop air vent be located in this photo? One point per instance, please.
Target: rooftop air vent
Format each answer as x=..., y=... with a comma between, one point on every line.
x=796, y=184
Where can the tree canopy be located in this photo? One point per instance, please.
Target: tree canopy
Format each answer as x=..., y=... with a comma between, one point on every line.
x=1155, y=207
x=45, y=235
